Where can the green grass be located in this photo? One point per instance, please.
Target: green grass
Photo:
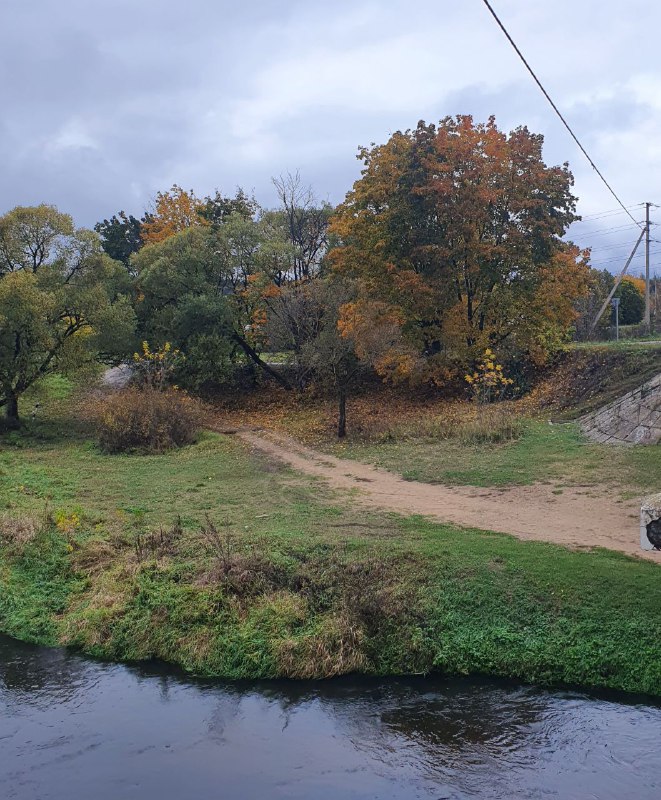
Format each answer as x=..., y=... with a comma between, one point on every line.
x=551, y=453
x=652, y=341
x=297, y=582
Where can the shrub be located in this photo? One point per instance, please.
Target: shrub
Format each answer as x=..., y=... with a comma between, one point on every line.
x=155, y=368
x=488, y=383
x=145, y=420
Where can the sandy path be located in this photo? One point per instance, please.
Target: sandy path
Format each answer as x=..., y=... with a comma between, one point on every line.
x=577, y=518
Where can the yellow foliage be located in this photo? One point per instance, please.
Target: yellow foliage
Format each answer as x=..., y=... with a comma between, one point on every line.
x=488, y=379
x=174, y=211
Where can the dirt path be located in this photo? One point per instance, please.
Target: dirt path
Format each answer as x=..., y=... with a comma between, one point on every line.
x=577, y=518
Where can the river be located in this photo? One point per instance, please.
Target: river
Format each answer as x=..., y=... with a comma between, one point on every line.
x=75, y=729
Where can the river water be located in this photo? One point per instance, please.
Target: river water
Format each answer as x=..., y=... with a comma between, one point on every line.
x=75, y=729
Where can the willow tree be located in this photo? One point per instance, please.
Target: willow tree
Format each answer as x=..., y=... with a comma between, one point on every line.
x=62, y=300
x=454, y=234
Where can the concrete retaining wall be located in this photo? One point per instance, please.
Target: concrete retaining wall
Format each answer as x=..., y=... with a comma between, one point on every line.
x=634, y=418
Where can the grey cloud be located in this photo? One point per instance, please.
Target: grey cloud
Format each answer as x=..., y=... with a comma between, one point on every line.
x=105, y=103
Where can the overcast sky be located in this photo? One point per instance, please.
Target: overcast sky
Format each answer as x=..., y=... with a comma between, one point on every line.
x=104, y=103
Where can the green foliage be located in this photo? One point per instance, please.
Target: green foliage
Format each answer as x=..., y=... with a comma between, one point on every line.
x=182, y=285
x=62, y=301
x=632, y=303
x=121, y=236
x=31, y=236
x=217, y=209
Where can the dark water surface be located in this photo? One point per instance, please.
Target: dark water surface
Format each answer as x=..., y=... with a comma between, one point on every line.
x=75, y=729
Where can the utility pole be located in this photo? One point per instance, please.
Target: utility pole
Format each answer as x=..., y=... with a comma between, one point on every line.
x=617, y=281
x=646, y=317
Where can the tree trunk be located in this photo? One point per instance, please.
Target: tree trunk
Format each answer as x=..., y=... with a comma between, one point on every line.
x=342, y=415
x=11, y=411
x=254, y=356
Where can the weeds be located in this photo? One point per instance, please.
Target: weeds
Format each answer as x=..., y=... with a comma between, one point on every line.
x=155, y=543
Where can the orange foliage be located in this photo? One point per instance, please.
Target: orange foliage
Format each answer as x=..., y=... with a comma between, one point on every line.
x=639, y=283
x=456, y=230
x=174, y=211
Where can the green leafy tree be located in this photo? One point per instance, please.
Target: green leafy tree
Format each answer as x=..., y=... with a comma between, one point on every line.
x=216, y=208
x=194, y=290
x=632, y=303
x=62, y=301
x=121, y=235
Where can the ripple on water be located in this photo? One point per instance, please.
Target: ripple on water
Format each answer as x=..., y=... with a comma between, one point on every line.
x=72, y=728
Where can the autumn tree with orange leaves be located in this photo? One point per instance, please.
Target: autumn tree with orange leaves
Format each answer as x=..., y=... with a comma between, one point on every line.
x=174, y=211
x=453, y=234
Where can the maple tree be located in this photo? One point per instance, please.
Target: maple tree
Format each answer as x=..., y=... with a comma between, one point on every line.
x=173, y=212
x=453, y=233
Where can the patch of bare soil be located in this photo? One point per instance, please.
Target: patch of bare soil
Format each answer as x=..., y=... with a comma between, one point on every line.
x=577, y=518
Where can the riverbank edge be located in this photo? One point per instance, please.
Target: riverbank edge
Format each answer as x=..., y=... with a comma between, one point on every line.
x=46, y=602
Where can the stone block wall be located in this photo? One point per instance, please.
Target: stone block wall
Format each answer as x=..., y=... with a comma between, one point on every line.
x=634, y=418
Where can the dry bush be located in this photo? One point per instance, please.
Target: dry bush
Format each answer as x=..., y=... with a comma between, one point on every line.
x=145, y=419
x=491, y=425
x=157, y=543
x=19, y=531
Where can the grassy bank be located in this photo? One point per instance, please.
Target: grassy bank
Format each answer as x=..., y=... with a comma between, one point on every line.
x=215, y=559
x=539, y=452
x=532, y=439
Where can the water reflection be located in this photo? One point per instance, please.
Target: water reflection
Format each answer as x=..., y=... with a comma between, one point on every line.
x=74, y=728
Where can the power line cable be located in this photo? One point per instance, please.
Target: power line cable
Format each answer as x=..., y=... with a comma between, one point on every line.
x=602, y=248
x=614, y=212
x=619, y=258
x=606, y=231
x=555, y=108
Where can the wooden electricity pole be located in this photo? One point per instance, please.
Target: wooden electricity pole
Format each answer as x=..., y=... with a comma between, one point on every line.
x=618, y=280
x=646, y=317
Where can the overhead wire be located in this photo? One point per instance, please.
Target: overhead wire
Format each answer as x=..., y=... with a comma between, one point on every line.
x=640, y=253
x=556, y=109
x=602, y=214
x=607, y=231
